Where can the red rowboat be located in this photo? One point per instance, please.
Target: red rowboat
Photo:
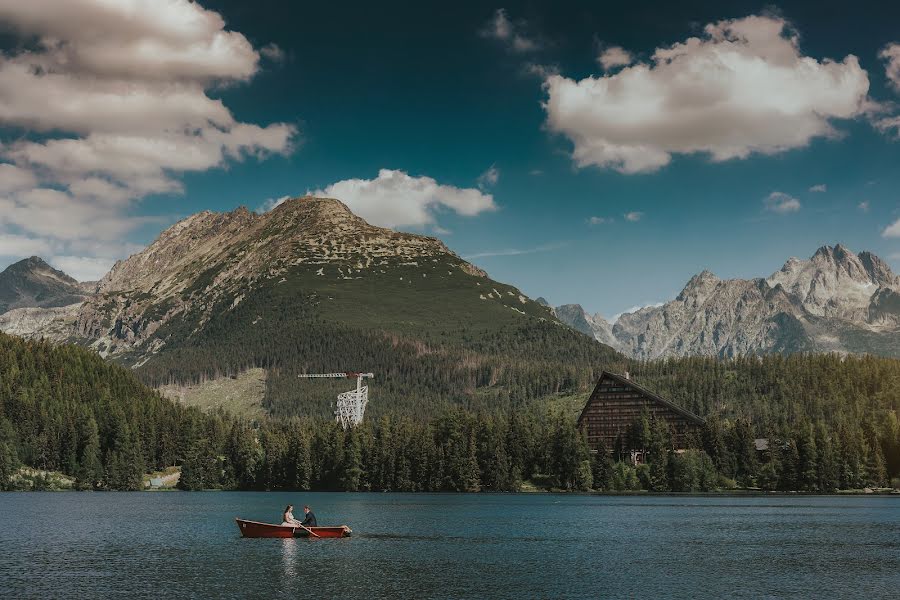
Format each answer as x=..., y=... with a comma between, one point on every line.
x=255, y=529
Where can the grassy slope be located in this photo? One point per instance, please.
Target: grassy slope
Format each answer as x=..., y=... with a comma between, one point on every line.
x=241, y=394
x=431, y=340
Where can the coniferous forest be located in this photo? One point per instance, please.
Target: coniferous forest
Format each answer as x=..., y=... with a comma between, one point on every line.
x=830, y=423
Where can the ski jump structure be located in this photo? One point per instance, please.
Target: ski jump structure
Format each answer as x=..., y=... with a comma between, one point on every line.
x=350, y=405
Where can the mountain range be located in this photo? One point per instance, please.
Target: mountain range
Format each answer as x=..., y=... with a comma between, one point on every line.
x=310, y=287
x=837, y=301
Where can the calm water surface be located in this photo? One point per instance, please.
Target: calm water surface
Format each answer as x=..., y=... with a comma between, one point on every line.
x=68, y=545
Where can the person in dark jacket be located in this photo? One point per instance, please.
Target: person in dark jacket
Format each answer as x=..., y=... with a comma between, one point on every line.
x=310, y=519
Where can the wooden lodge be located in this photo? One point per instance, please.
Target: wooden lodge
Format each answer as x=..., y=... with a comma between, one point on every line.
x=614, y=406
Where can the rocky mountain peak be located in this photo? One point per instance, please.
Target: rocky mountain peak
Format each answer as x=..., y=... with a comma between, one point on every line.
x=310, y=215
x=35, y=265
x=878, y=270
x=32, y=282
x=578, y=319
x=836, y=301
x=834, y=282
x=699, y=286
x=211, y=258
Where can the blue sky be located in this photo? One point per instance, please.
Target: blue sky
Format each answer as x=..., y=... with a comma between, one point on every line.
x=448, y=92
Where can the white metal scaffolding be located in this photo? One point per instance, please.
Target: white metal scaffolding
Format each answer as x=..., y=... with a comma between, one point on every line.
x=351, y=406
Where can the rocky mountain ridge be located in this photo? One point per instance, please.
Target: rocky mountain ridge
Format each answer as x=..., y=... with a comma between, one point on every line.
x=208, y=257
x=32, y=283
x=595, y=325
x=836, y=301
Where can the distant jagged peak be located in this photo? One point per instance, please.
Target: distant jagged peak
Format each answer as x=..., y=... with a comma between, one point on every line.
x=834, y=264
x=792, y=264
x=37, y=266
x=31, y=282
x=578, y=319
x=837, y=251
x=878, y=270
x=699, y=285
x=30, y=263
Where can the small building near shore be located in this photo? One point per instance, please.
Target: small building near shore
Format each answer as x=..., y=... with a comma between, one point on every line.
x=617, y=403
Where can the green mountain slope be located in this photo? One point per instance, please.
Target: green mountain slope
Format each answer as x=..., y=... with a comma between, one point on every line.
x=310, y=287
x=62, y=408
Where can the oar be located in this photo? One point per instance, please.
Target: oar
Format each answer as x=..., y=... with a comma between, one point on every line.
x=308, y=529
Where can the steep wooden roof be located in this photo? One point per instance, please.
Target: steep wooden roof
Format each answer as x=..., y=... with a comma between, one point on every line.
x=655, y=397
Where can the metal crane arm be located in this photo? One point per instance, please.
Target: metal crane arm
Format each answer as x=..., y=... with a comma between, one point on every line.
x=348, y=375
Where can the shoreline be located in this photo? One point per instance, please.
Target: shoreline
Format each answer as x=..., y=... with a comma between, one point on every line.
x=635, y=493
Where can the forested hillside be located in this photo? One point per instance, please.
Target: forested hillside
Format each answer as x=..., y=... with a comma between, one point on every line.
x=472, y=364
x=775, y=391
x=829, y=423
x=63, y=408
x=311, y=287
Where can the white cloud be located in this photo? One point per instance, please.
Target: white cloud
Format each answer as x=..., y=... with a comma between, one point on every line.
x=273, y=52
x=82, y=268
x=891, y=55
x=781, y=203
x=489, y=178
x=614, y=56
x=515, y=251
x=886, y=124
x=863, y=206
x=396, y=199
x=599, y=220
x=271, y=203
x=892, y=230
x=14, y=179
x=633, y=216
x=541, y=71
x=20, y=246
x=742, y=88
x=501, y=28
x=118, y=91
x=819, y=188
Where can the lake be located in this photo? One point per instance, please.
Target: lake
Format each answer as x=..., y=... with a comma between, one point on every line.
x=94, y=545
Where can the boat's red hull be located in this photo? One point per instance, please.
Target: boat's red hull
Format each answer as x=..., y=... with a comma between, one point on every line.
x=255, y=529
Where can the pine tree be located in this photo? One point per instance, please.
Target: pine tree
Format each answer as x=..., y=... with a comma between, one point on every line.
x=659, y=450
x=808, y=462
x=89, y=473
x=743, y=449
x=602, y=468
x=352, y=464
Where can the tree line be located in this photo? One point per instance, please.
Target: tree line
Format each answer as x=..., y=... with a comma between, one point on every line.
x=63, y=408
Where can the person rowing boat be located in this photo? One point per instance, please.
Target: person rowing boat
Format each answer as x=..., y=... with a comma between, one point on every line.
x=310, y=519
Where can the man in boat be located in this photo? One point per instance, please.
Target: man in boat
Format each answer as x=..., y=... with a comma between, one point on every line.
x=310, y=519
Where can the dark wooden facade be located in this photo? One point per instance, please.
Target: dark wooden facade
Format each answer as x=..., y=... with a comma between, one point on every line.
x=617, y=402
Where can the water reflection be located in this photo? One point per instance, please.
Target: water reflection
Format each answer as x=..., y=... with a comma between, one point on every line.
x=289, y=557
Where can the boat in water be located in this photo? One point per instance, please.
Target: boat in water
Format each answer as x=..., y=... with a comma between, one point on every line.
x=255, y=529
